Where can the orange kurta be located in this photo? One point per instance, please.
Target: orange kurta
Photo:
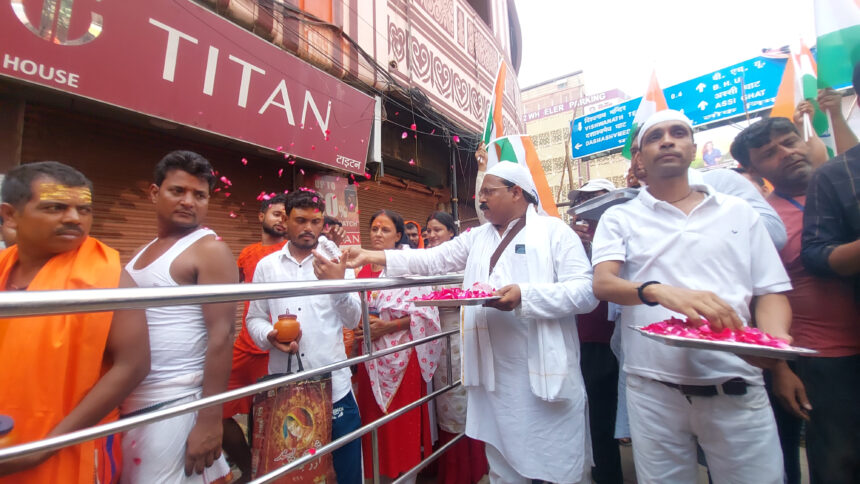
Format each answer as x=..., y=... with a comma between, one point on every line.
x=49, y=363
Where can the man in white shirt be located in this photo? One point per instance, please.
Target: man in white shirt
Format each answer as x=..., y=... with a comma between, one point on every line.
x=669, y=252
x=322, y=317
x=526, y=398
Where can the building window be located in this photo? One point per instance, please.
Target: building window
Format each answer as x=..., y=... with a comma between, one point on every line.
x=482, y=8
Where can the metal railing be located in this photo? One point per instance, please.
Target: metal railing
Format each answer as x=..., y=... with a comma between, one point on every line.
x=37, y=303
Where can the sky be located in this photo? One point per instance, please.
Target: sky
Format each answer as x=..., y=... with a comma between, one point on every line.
x=617, y=43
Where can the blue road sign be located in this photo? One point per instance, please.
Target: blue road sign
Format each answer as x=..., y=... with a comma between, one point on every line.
x=706, y=99
x=602, y=130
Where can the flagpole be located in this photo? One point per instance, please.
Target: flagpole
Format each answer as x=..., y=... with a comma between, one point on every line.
x=744, y=98
x=806, y=127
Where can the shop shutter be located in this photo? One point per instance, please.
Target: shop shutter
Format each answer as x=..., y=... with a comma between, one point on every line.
x=410, y=199
x=119, y=159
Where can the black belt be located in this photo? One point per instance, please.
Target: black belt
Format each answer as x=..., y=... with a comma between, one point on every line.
x=735, y=386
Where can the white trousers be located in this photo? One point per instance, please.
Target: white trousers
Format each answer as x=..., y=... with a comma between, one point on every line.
x=737, y=432
x=502, y=473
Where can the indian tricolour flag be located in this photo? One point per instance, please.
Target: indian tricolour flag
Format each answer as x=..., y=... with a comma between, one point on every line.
x=652, y=101
x=798, y=83
x=520, y=149
x=494, y=128
x=837, y=24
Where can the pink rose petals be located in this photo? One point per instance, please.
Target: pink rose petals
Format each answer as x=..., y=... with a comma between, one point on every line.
x=413, y=127
x=684, y=329
x=478, y=290
x=244, y=161
x=411, y=161
x=233, y=214
x=280, y=172
x=456, y=138
x=404, y=135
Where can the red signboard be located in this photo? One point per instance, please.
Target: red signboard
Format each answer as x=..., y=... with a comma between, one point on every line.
x=176, y=60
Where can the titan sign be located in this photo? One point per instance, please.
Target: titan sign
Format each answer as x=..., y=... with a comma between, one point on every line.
x=175, y=60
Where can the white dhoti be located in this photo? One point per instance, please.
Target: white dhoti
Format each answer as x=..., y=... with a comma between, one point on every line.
x=155, y=453
x=534, y=439
x=501, y=471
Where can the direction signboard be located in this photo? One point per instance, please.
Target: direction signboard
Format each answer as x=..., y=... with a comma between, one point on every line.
x=602, y=130
x=705, y=99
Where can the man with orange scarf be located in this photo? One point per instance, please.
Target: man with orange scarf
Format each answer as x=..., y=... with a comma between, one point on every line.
x=413, y=233
x=63, y=372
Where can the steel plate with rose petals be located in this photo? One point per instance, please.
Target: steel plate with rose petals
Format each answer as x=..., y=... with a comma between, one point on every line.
x=748, y=341
x=478, y=294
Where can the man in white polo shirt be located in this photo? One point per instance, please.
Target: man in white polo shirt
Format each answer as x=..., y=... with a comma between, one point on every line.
x=684, y=250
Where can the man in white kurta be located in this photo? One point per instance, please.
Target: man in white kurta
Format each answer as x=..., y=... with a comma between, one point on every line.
x=526, y=397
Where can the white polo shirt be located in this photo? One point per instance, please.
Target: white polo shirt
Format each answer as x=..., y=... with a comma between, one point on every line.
x=721, y=246
x=322, y=318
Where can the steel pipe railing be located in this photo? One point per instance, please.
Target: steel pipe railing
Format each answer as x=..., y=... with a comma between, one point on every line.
x=124, y=424
x=37, y=303
x=411, y=473
x=357, y=433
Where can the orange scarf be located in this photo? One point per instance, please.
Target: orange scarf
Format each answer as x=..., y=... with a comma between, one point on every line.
x=420, y=237
x=49, y=363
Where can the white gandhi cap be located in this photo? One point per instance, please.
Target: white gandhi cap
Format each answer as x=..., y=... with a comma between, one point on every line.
x=662, y=117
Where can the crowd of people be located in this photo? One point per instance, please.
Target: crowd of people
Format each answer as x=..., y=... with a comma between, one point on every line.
x=552, y=371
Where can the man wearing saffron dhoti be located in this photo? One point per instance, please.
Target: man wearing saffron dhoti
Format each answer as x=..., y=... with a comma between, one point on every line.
x=526, y=398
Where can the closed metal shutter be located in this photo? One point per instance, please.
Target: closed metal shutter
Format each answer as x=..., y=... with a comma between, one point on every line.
x=411, y=200
x=120, y=158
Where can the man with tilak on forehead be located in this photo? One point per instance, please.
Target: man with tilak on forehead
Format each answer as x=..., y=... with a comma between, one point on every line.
x=63, y=372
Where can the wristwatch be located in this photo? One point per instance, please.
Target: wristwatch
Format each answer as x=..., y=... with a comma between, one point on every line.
x=640, y=289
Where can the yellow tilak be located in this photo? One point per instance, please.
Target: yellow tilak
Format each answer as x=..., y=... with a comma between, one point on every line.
x=56, y=191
